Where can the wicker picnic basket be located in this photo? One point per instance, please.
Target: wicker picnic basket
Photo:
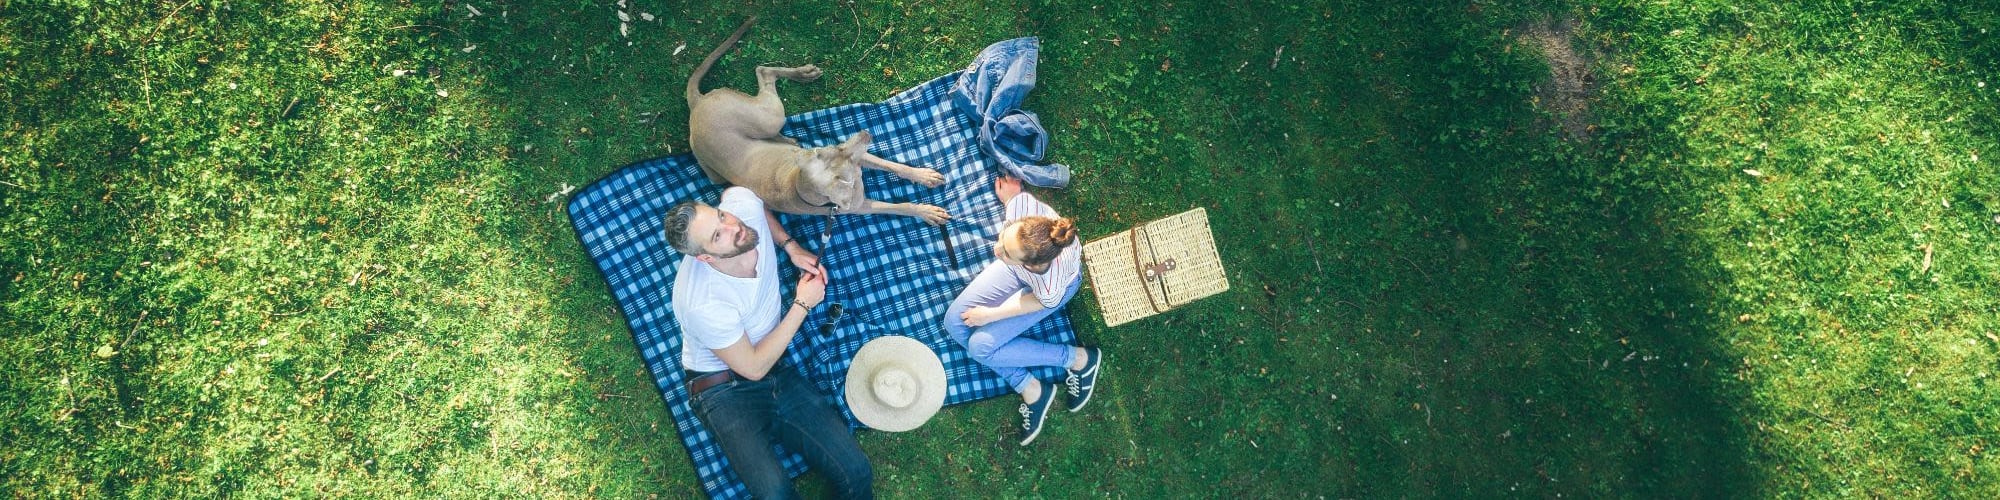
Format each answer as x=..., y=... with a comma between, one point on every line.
x=1155, y=267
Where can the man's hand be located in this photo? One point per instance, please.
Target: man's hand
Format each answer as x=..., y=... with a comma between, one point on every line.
x=1006, y=186
x=811, y=290
x=804, y=260
x=977, y=316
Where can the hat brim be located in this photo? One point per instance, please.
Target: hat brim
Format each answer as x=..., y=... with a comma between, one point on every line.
x=914, y=358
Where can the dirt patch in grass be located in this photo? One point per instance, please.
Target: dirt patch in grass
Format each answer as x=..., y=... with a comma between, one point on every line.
x=1571, y=84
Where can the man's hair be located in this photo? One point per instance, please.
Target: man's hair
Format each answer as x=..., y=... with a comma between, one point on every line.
x=676, y=221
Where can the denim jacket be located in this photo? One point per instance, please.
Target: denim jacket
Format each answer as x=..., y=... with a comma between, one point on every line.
x=990, y=91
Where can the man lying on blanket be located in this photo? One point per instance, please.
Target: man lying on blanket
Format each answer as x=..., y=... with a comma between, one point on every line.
x=735, y=327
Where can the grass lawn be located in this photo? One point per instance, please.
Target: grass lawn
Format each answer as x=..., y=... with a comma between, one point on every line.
x=1712, y=249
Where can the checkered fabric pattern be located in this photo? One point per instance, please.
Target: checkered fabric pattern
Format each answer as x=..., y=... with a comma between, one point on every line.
x=894, y=275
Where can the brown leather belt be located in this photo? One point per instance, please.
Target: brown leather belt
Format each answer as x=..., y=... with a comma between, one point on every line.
x=703, y=382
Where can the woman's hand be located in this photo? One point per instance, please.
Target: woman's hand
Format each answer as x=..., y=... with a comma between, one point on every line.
x=977, y=316
x=1006, y=186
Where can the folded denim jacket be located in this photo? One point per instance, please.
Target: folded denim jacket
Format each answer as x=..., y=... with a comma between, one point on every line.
x=991, y=91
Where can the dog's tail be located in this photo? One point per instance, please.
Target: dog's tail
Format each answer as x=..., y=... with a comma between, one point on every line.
x=694, y=81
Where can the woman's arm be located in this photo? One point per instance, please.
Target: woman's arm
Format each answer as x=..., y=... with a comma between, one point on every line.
x=1024, y=302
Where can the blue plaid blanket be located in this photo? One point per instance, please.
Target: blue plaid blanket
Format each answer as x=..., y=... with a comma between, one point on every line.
x=895, y=275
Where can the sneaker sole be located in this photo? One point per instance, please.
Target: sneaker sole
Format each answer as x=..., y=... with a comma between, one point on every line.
x=1039, y=423
x=1038, y=433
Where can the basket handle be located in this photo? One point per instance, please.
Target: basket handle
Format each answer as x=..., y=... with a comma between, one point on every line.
x=1158, y=271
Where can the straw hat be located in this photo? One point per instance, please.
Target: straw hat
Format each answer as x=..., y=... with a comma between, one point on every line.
x=895, y=383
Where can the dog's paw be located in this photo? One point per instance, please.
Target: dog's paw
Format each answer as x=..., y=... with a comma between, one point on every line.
x=925, y=176
x=807, y=73
x=932, y=214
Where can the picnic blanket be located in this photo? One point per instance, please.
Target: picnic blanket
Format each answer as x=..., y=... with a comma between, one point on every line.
x=894, y=274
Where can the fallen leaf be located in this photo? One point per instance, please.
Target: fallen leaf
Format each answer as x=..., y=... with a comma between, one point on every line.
x=442, y=93
x=566, y=189
x=623, y=17
x=1753, y=172
x=105, y=351
x=646, y=16
x=472, y=11
x=469, y=48
x=677, y=50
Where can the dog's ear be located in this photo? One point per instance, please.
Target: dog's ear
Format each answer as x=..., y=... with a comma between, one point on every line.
x=857, y=143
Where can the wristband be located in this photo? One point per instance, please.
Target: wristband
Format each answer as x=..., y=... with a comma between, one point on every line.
x=802, y=305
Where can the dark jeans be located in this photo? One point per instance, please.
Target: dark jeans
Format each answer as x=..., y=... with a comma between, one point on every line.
x=747, y=416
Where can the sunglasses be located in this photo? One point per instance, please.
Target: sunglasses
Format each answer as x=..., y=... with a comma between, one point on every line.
x=833, y=315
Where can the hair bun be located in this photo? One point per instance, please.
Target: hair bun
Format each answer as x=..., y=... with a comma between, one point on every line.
x=1063, y=232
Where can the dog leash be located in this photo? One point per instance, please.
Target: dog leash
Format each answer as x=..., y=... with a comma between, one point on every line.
x=826, y=232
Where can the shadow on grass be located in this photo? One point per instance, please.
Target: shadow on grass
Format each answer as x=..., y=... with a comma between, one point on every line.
x=1429, y=299
x=1433, y=296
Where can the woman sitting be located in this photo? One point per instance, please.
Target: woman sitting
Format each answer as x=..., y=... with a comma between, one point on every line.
x=1039, y=269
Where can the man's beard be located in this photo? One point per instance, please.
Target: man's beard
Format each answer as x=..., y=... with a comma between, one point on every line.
x=740, y=250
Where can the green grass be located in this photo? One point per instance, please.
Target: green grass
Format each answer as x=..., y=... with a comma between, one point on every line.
x=316, y=248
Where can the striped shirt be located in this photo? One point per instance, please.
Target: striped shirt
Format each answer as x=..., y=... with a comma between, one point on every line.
x=1048, y=287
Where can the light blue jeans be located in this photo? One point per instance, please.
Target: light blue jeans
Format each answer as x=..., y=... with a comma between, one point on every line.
x=999, y=345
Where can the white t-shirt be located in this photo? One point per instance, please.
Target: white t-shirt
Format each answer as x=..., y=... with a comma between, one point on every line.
x=717, y=310
x=1050, y=286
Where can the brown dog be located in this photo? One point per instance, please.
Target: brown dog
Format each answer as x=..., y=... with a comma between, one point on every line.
x=736, y=139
